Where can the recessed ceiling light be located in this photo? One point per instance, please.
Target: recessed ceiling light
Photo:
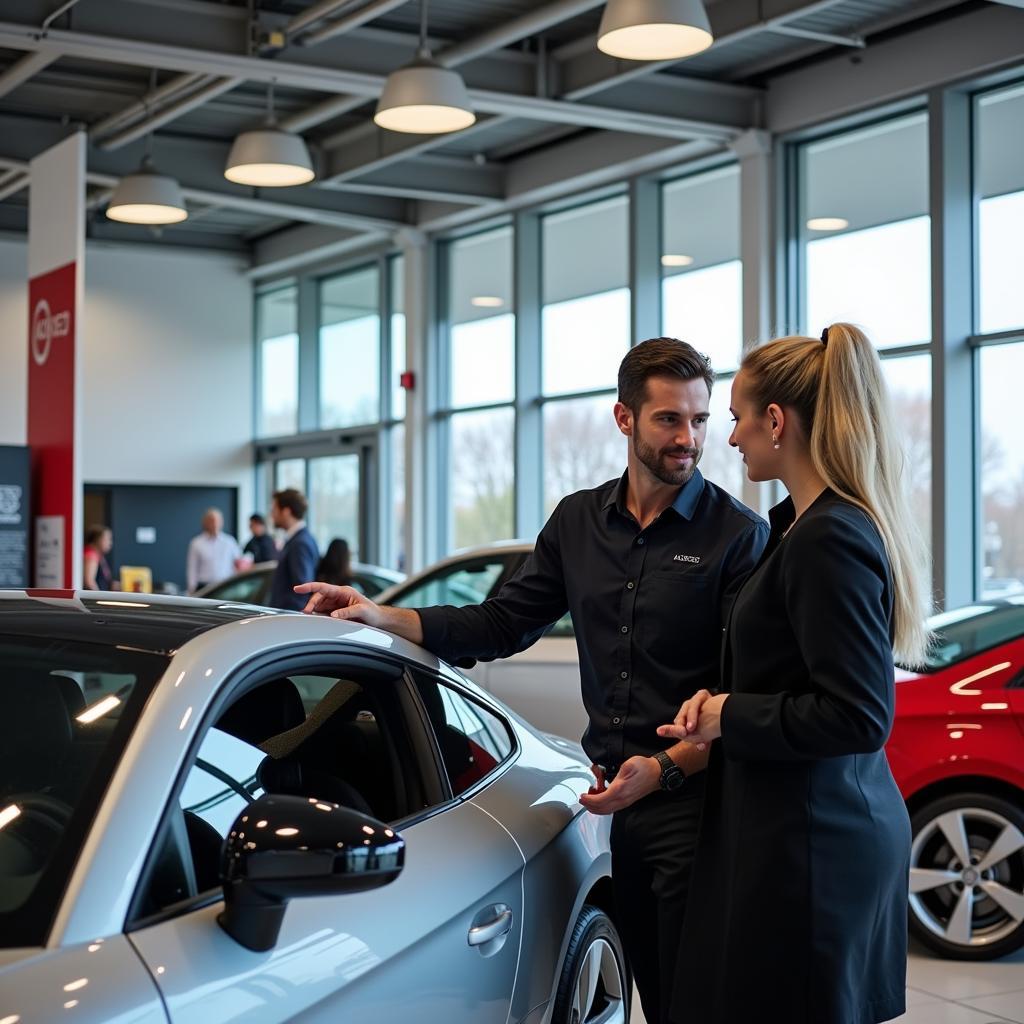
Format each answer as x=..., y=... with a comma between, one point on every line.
x=674, y=259
x=827, y=224
x=654, y=29
x=487, y=301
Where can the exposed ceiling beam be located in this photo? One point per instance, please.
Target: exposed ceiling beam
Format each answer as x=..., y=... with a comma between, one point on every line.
x=150, y=102
x=583, y=70
x=434, y=178
x=348, y=22
x=170, y=113
x=284, y=252
x=455, y=55
x=283, y=207
x=13, y=185
x=183, y=59
x=23, y=69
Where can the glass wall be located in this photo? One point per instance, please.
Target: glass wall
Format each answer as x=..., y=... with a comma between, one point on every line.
x=277, y=338
x=999, y=188
x=999, y=184
x=585, y=332
x=481, y=376
x=334, y=500
x=350, y=348
x=702, y=295
x=864, y=232
x=864, y=239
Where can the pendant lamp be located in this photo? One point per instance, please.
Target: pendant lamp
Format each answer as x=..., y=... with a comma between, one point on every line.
x=269, y=157
x=654, y=29
x=424, y=98
x=147, y=197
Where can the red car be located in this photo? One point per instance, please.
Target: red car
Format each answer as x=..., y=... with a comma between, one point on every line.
x=957, y=752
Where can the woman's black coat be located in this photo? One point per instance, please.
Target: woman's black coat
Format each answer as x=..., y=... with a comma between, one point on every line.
x=798, y=903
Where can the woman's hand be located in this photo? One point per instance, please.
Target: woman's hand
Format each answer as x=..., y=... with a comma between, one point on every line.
x=698, y=721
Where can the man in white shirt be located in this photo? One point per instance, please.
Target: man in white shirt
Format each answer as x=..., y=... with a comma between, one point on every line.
x=212, y=554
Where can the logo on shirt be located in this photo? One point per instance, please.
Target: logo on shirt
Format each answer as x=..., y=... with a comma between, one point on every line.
x=695, y=559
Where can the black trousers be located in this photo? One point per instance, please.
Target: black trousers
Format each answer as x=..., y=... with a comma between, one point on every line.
x=653, y=843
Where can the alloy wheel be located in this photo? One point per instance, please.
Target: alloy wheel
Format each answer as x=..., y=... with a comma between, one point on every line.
x=599, y=996
x=967, y=877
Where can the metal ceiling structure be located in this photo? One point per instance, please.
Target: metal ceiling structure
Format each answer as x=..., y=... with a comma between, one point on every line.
x=554, y=114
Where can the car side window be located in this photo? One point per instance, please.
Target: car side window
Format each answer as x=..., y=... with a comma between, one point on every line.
x=463, y=584
x=340, y=739
x=473, y=741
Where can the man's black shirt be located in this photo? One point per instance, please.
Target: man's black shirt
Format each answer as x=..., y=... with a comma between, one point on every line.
x=648, y=606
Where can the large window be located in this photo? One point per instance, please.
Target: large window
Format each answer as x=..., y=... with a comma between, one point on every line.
x=585, y=332
x=865, y=232
x=1002, y=471
x=278, y=341
x=999, y=177
x=350, y=348
x=480, y=389
x=702, y=295
x=396, y=436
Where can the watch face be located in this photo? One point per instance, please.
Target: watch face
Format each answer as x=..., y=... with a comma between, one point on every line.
x=672, y=779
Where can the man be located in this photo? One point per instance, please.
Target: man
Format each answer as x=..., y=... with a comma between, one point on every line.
x=646, y=565
x=212, y=554
x=298, y=558
x=260, y=546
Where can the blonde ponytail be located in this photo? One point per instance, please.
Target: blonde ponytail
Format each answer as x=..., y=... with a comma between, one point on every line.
x=837, y=387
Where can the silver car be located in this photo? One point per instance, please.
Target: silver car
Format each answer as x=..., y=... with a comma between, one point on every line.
x=211, y=812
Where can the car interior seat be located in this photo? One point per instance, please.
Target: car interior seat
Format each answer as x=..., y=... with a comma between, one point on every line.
x=268, y=710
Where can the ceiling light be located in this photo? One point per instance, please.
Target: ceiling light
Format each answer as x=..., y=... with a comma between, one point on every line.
x=487, y=301
x=147, y=197
x=269, y=157
x=424, y=98
x=827, y=223
x=654, y=29
x=672, y=259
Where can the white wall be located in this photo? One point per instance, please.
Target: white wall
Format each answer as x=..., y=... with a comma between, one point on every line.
x=167, y=377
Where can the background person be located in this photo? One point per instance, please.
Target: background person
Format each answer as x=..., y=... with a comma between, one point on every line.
x=260, y=547
x=336, y=564
x=799, y=894
x=212, y=554
x=299, y=555
x=645, y=564
x=96, y=574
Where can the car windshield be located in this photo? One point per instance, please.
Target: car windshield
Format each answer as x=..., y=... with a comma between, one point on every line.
x=68, y=710
x=964, y=632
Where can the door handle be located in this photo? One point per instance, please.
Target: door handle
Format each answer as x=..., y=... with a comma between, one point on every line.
x=488, y=931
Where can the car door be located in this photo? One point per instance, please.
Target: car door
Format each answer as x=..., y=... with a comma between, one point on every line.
x=431, y=945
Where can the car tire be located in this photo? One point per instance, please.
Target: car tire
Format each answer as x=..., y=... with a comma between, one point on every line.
x=595, y=985
x=973, y=911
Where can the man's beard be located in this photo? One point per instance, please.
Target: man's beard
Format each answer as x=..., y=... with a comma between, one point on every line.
x=657, y=461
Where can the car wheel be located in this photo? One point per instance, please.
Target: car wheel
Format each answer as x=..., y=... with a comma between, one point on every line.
x=967, y=876
x=594, y=987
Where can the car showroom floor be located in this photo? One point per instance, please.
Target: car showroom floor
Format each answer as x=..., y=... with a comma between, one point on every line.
x=954, y=992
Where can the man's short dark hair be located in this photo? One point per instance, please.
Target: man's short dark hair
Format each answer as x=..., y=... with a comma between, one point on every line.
x=659, y=357
x=293, y=500
x=257, y=518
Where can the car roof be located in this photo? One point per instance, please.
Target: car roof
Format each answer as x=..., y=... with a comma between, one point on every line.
x=148, y=622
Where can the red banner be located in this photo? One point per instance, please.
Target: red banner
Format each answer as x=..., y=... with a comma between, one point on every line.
x=51, y=400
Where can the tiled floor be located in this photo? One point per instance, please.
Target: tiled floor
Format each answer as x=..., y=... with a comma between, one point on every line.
x=954, y=992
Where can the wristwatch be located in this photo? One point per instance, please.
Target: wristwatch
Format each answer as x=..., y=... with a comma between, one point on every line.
x=672, y=776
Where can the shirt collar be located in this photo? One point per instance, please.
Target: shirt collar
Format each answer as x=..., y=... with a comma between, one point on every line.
x=684, y=504
x=294, y=529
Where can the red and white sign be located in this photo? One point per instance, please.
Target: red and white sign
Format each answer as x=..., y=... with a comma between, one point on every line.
x=52, y=399
x=56, y=263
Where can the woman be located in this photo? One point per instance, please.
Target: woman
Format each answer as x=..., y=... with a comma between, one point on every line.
x=798, y=905
x=96, y=573
x=336, y=564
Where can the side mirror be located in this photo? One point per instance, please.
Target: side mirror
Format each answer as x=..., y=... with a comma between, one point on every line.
x=284, y=846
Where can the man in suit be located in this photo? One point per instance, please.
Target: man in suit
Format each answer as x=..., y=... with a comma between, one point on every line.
x=298, y=558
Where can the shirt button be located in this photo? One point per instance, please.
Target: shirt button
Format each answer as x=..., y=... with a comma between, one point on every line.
x=639, y=540
x=630, y=585
x=623, y=675
x=616, y=721
x=625, y=629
